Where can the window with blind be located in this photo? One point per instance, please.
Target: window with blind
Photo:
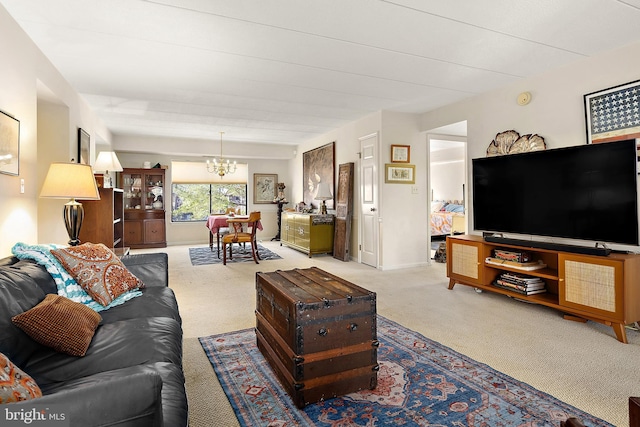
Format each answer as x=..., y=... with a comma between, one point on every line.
x=196, y=193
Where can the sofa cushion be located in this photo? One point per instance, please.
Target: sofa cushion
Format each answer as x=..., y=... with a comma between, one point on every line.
x=18, y=293
x=174, y=397
x=174, y=405
x=36, y=272
x=151, y=268
x=60, y=323
x=15, y=385
x=114, y=346
x=122, y=397
x=154, y=302
x=98, y=270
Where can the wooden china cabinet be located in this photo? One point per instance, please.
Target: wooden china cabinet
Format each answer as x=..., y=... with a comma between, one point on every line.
x=144, y=207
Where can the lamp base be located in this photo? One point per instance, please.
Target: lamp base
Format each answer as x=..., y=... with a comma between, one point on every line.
x=73, y=215
x=323, y=208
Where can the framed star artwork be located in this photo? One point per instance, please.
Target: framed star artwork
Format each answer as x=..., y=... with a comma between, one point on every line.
x=613, y=114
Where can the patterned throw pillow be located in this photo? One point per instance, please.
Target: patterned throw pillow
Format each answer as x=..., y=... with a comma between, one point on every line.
x=67, y=286
x=98, y=270
x=57, y=322
x=15, y=385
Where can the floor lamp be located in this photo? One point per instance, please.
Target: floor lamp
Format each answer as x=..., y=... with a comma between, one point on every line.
x=71, y=181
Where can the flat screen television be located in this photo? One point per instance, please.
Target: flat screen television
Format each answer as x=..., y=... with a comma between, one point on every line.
x=586, y=192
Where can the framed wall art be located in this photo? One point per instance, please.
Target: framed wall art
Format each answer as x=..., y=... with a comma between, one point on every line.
x=265, y=187
x=9, y=144
x=400, y=154
x=84, y=147
x=399, y=174
x=613, y=114
x=318, y=166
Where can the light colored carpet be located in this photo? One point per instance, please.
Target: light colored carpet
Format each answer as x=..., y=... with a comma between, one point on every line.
x=579, y=363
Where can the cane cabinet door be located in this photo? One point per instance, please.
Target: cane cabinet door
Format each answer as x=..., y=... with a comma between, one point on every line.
x=592, y=284
x=464, y=261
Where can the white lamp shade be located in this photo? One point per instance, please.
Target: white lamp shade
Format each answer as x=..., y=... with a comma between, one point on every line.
x=107, y=161
x=70, y=181
x=324, y=192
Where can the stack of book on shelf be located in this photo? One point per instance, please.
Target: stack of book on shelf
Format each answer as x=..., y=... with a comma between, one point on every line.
x=514, y=259
x=520, y=283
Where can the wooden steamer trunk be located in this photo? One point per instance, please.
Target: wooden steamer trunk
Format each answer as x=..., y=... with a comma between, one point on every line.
x=318, y=333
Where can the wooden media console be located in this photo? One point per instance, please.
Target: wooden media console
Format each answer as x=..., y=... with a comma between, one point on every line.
x=604, y=289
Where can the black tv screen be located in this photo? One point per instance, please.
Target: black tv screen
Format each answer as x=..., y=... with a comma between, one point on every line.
x=586, y=192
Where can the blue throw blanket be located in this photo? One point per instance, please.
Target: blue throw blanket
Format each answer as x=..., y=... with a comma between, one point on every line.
x=67, y=286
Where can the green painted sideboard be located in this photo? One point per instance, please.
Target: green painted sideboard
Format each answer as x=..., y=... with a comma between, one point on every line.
x=309, y=233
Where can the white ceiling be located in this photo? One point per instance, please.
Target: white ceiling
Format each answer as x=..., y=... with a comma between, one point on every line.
x=285, y=71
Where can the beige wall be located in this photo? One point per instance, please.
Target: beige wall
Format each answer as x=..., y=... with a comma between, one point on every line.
x=556, y=111
x=347, y=148
x=26, y=77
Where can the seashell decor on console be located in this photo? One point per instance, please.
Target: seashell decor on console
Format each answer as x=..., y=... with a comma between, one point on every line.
x=510, y=142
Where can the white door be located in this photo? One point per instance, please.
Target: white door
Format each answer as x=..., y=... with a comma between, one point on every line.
x=369, y=200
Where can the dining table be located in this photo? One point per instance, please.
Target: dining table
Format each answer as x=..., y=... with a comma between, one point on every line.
x=216, y=222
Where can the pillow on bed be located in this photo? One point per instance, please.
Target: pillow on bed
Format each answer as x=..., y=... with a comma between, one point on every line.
x=437, y=206
x=454, y=208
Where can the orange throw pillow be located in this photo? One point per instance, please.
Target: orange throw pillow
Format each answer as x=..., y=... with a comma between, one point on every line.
x=98, y=271
x=57, y=322
x=15, y=384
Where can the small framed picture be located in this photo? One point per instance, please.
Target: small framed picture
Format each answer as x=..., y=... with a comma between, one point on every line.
x=265, y=187
x=9, y=144
x=400, y=154
x=399, y=174
x=84, y=147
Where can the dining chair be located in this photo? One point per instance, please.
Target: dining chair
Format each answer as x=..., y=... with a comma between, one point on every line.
x=237, y=235
x=222, y=231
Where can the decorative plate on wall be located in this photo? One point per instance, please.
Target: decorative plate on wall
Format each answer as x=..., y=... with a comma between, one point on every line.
x=510, y=142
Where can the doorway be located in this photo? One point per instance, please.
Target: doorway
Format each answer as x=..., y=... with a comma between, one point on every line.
x=447, y=183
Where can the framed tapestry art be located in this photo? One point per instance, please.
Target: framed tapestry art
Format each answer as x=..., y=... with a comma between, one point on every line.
x=84, y=147
x=318, y=167
x=265, y=186
x=399, y=174
x=613, y=114
x=9, y=144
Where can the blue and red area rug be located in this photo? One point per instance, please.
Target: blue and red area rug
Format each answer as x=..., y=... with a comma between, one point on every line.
x=420, y=383
x=205, y=255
